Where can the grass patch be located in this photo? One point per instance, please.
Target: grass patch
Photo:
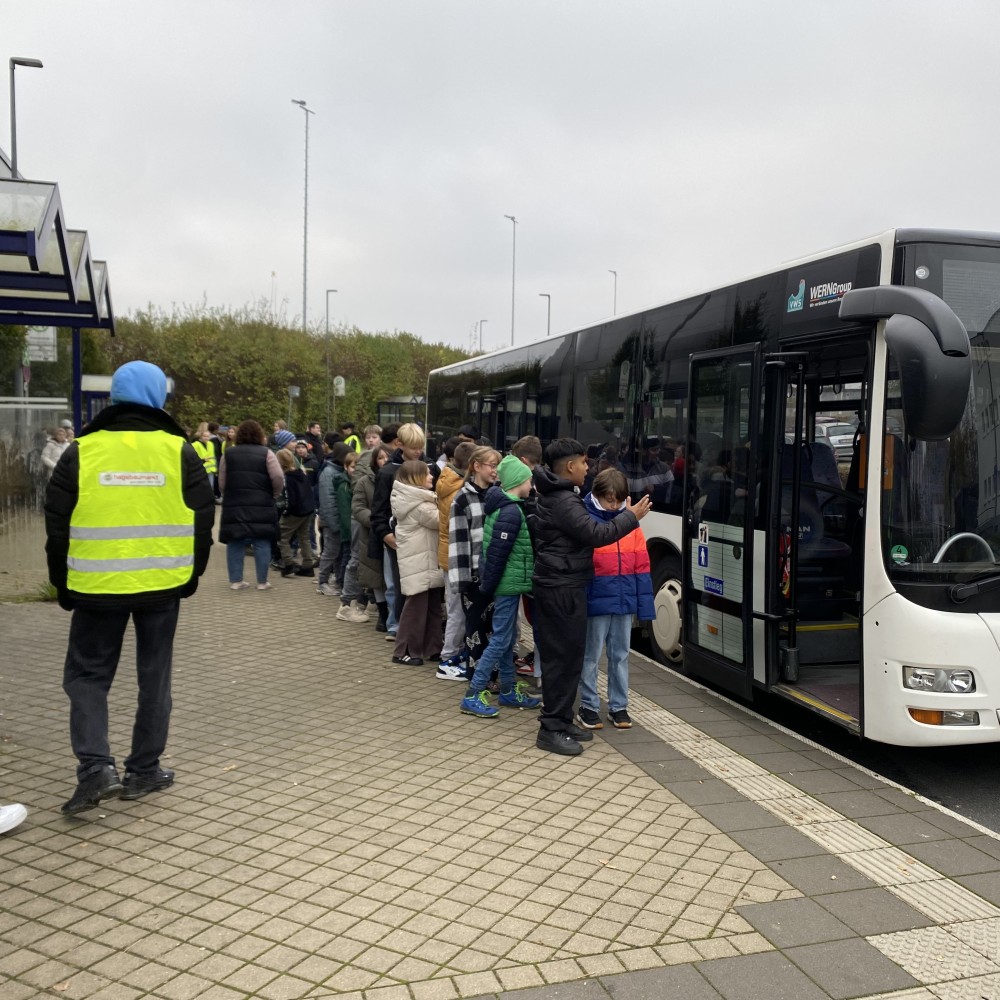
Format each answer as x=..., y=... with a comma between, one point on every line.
x=43, y=592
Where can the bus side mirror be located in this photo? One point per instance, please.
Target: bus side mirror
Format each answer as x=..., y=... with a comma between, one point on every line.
x=930, y=345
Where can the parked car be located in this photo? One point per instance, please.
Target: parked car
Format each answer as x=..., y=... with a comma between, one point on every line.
x=840, y=437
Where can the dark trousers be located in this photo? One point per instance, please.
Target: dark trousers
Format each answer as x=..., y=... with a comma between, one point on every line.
x=561, y=636
x=419, y=630
x=478, y=620
x=399, y=599
x=95, y=646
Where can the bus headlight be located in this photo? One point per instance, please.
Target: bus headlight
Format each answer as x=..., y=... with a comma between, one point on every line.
x=942, y=679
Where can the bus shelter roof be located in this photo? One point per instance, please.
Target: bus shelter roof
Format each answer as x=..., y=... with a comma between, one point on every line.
x=47, y=275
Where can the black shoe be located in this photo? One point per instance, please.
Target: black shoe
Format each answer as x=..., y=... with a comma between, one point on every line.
x=138, y=785
x=287, y=570
x=304, y=572
x=620, y=719
x=408, y=661
x=93, y=789
x=589, y=719
x=574, y=732
x=381, y=627
x=555, y=742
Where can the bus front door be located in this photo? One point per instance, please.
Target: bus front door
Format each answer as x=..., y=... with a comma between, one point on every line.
x=720, y=463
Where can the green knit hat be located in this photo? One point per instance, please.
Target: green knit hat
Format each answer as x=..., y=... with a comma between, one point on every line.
x=512, y=472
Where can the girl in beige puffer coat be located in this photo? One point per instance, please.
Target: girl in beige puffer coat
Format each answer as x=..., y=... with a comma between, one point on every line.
x=414, y=509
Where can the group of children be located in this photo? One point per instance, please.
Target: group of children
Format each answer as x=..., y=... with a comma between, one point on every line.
x=488, y=536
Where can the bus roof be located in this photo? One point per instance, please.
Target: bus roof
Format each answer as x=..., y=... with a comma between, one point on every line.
x=887, y=239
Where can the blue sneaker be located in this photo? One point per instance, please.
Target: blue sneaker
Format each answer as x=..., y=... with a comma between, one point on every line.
x=451, y=669
x=519, y=697
x=479, y=705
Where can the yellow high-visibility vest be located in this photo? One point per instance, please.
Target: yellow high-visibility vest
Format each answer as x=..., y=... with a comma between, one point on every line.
x=206, y=452
x=130, y=531
x=353, y=441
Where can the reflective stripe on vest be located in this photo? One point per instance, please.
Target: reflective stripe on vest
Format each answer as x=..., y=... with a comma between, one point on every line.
x=130, y=531
x=206, y=452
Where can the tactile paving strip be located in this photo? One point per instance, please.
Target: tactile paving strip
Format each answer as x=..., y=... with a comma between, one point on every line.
x=802, y=810
x=980, y=988
x=921, y=886
x=842, y=836
x=891, y=866
x=933, y=954
x=944, y=901
x=983, y=935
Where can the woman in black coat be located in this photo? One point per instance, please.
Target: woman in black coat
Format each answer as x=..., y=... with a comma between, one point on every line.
x=250, y=479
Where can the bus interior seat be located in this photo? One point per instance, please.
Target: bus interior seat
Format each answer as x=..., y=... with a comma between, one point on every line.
x=824, y=465
x=823, y=562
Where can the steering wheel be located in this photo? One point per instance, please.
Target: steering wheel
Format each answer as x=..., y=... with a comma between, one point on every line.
x=964, y=536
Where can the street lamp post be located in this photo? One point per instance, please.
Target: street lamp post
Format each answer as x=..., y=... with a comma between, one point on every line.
x=329, y=292
x=17, y=61
x=614, y=301
x=548, y=314
x=513, y=276
x=326, y=340
x=481, y=322
x=305, y=222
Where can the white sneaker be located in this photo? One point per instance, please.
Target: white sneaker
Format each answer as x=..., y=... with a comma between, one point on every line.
x=327, y=591
x=263, y=586
x=11, y=816
x=350, y=613
x=450, y=672
x=242, y=585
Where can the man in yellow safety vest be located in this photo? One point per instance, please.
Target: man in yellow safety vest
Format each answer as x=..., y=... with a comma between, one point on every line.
x=350, y=438
x=128, y=513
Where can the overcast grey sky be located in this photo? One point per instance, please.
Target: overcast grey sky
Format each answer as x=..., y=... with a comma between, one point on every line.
x=683, y=145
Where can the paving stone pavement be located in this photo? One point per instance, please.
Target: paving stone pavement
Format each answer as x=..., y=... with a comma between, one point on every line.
x=339, y=829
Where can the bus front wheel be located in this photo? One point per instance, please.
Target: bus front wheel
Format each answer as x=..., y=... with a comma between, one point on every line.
x=666, y=628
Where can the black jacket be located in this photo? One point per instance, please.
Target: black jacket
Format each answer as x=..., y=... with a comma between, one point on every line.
x=381, y=509
x=566, y=535
x=299, y=491
x=63, y=491
x=248, y=509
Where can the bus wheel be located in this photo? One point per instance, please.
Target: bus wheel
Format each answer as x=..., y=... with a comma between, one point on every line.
x=666, y=629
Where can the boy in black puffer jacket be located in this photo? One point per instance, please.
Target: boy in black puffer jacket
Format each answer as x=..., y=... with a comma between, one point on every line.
x=565, y=539
x=297, y=518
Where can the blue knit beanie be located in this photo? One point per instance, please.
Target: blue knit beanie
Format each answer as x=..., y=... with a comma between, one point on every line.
x=281, y=438
x=139, y=382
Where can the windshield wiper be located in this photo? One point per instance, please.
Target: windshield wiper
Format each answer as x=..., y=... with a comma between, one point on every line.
x=961, y=592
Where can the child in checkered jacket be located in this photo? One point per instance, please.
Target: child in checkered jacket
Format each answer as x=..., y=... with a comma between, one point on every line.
x=465, y=545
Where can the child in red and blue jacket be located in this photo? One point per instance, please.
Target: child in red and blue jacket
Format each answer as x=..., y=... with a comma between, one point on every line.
x=621, y=588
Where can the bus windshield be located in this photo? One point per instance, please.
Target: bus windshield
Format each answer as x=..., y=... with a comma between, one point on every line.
x=941, y=522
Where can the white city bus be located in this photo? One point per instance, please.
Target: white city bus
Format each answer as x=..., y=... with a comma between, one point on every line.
x=860, y=581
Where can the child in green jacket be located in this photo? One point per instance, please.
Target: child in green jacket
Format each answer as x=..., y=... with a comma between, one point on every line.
x=505, y=573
